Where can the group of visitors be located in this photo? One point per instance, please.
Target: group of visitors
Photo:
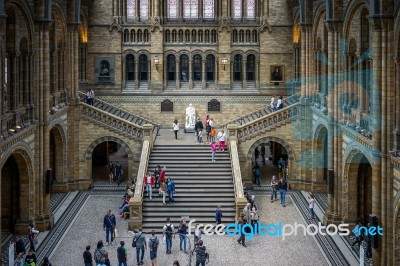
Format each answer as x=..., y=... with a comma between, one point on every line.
x=362, y=235
x=280, y=186
x=249, y=216
x=29, y=259
x=158, y=180
x=115, y=170
x=278, y=105
x=89, y=97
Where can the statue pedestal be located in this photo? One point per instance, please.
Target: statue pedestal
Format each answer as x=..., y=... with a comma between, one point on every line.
x=189, y=129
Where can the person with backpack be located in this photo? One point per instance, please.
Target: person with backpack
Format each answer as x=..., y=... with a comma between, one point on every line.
x=171, y=190
x=168, y=232
x=139, y=242
x=109, y=223
x=87, y=257
x=201, y=254
x=218, y=214
x=182, y=231
x=153, y=245
x=256, y=173
x=122, y=254
x=99, y=252
x=90, y=97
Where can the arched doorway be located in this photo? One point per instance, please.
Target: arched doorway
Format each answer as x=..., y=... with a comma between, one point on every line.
x=251, y=68
x=197, y=65
x=56, y=154
x=359, y=188
x=237, y=68
x=15, y=192
x=320, y=155
x=184, y=67
x=171, y=67
x=210, y=67
x=143, y=68
x=130, y=67
x=267, y=154
x=104, y=153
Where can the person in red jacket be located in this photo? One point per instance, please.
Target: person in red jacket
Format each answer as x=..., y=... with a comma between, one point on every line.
x=149, y=183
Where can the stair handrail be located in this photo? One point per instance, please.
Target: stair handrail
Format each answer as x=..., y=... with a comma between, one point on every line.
x=136, y=202
x=240, y=200
x=102, y=117
x=254, y=127
x=258, y=112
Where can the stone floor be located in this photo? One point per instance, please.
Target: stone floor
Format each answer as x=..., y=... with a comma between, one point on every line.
x=86, y=229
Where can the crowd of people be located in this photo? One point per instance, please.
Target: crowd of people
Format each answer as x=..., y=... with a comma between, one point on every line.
x=115, y=171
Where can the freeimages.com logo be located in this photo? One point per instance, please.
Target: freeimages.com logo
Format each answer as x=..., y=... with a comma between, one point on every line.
x=283, y=230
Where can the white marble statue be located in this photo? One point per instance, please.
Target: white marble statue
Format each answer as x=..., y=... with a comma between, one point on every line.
x=190, y=116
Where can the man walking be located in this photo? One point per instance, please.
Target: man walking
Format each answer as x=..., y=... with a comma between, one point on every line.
x=218, y=214
x=311, y=202
x=171, y=190
x=274, y=187
x=168, y=229
x=139, y=241
x=87, y=257
x=122, y=254
x=201, y=254
x=149, y=184
x=282, y=189
x=242, y=221
x=221, y=140
x=109, y=223
x=118, y=172
x=153, y=245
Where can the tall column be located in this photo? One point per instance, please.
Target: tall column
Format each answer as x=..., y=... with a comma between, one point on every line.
x=190, y=74
x=203, y=74
x=224, y=8
x=244, y=76
x=396, y=132
x=177, y=74
x=156, y=8
x=137, y=73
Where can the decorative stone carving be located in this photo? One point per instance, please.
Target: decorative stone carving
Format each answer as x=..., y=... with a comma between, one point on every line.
x=190, y=118
x=167, y=106
x=214, y=106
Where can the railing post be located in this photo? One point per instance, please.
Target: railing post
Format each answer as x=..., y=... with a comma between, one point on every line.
x=136, y=203
x=240, y=200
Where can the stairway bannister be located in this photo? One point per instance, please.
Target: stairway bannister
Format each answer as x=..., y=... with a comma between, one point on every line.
x=111, y=121
x=267, y=122
x=240, y=200
x=136, y=202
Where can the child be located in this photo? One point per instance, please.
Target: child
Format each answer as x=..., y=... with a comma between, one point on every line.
x=199, y=136
x=213, y=151
x=218, y=214
x=213, y=133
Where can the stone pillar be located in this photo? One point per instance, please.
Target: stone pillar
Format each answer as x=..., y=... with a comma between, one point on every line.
x=244, y=75
x=190, y=74
x=123, y=72
x=137, y=73
x=396, y=132
x=156, y=8
x=177, y=74
x=203, y=74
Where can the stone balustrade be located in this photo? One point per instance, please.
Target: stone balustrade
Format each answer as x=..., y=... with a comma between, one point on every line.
x=113, y=122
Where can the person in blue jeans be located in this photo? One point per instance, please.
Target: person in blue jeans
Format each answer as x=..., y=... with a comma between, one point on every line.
x=274, y=187
x=182, y=231
x=109, y=223
x=168, y=232
x=122, y=254
x=118, y=172
x=282, y=189
x=171, y=190
x=140, y=246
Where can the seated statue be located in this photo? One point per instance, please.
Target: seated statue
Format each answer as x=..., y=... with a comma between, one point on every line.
x=190, y=116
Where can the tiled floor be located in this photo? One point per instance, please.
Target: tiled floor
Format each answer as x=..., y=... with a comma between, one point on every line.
x=86, y=229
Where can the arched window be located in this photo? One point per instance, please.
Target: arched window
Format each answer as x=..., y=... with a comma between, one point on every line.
x=248, y=36
x=237, y=9
x=234, y=36
x=143, y=67
x=210, y=68
x=144, y=8
x=255, y=36
x=130, y=9
x=207, y=36
x=251, y=67
x=193, y=35
x=208, y=9
x=171, y=67
x=237, y=68
x=190, y=8
x=130, y=67
x=184, y=66
x=133, y=36
x=180, y=36
x=139, y=36
x=174, y=36
x=213, y=36
x=251, y=9
x=187, y=35
x=126, y=36
x=200, y=36
x=167, y=36
x=197, y=67
x=172, y=8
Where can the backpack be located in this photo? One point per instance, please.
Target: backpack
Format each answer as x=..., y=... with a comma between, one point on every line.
x=135, y=240
x=153, y=244
x=97, y=256
x=168, y=230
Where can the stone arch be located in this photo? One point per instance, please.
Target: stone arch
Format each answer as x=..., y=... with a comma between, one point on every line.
x=22, y=157
x=169, y=52
x=319, y=19
x=287, y=146
x=59, y=160
x=349, y=12
x=195, y=52
x=22, y=7
x=320, y=153
x=353, y=158
x=396, y=229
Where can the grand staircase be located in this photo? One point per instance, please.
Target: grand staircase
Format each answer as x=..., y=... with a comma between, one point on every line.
x=200, y=186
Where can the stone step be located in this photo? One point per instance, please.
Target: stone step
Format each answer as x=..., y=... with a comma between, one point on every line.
x=204, y=185
x=201, y=201
x=194, y=194
x=160, y=216
x=207, y=176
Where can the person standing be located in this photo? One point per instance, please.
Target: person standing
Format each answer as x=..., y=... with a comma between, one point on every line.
x=19, y=260
x=221, y=140
x=198, y=128
x=109, y=223
x=256, y=173
x=122, y=254
x=153, y=246
x=272, y=103
x=171, y=190
x=149, y=184
x=281, y=167
x=279, y=104
x=274, y=187
x=111, y=172
x=247, y=212
x=118, y=172
x=87, y=257
x=201, y=254
x=30, y=258
x=163, y=190
x=46, y=262
x=182, y=231
x=175, y=127
x=262, y=153
x=242, y=221
x=157, y=172
x=90, y=97
x=213, y=134
x=168, y=232
x=140, y=244
x=32, y=233
x=282, y=189
x=213, y=151
x=162, y=175
x=19, y=245
x=311, y=202
x=218, y=214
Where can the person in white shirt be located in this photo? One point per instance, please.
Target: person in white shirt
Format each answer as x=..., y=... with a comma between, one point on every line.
x=311, y=202
x=279, y=104
x=272, y=105
x=175, y=127
x=221, y=140
x=90, y=97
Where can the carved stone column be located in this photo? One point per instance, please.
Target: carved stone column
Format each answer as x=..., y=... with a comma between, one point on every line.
x=203, y=74
x=137, y=73
x=190, y=73
x=244, y=76
x=396, y=132
x=177, y=74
